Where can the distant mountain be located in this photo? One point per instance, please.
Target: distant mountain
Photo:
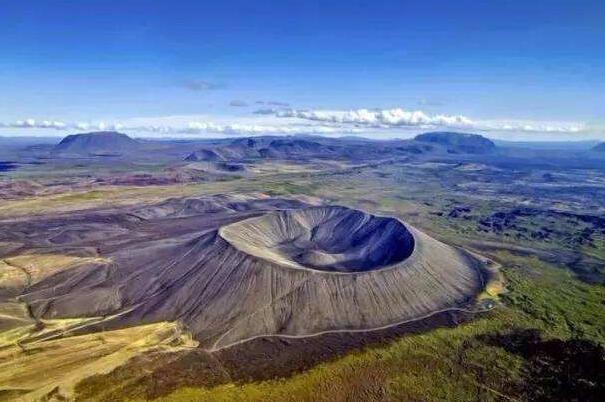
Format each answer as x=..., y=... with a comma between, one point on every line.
x=286, y=148
x=206, y=155
x=458, y=142
x=263, y=147
x=102, y=143
x=245, y=148
x=300, y=148
x=599, y=147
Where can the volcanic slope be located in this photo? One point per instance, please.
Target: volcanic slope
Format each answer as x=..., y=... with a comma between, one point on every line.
x=232, y=269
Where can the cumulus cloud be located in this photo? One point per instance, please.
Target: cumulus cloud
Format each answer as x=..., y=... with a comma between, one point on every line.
x=274, y=120
x=238, y=103
x=180, y=125
x=32, y=123
x=204, y=127
x=379, y=118
x=398, y=117
x=60, y=125
x=184, y=126
x=532, y=126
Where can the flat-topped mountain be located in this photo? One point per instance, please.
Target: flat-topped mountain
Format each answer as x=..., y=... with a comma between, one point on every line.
x=458, y=142
x=96, y=143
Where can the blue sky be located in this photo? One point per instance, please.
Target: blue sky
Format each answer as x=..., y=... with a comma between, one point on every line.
x=509, y=68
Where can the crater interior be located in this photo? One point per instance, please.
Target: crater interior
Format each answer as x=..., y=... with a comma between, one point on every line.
x=327, y=238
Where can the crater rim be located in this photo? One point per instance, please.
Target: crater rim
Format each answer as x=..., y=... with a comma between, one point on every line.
x=363, y=252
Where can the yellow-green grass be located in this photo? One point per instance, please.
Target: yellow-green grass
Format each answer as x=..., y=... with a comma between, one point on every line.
x=277, y=179
x=12, y=277
x=106, y=197
x=37, y=368
x=439, y=365
x=40, y=266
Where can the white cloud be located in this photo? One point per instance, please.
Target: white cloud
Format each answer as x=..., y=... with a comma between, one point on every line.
x=378, y=118
x=398, y=117
x=370, y=122
x=32, y=123
x=204, y=127
x=532, y=126
x=193, y=125
x=59, y=125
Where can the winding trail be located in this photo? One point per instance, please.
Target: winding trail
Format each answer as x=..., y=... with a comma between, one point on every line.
x=484, y=307
x=345, y=331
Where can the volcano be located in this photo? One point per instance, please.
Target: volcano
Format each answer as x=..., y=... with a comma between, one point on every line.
x=231, y=270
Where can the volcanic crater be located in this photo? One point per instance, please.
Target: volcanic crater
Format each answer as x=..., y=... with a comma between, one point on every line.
x=232, y=269
x=330, y=239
